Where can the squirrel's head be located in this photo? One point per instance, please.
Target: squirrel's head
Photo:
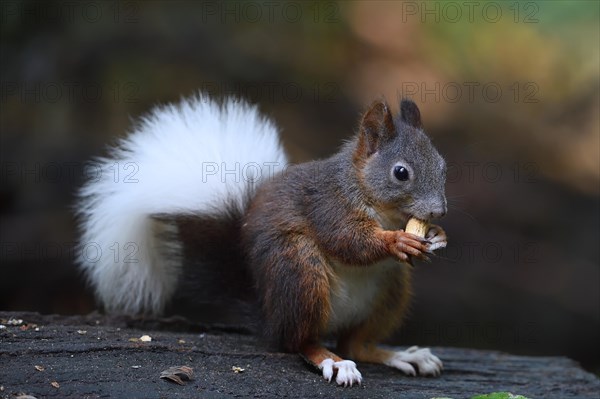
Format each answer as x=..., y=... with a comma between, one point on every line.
x=398, y=165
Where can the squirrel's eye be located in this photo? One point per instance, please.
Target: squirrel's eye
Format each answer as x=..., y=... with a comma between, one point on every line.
x=400, y=173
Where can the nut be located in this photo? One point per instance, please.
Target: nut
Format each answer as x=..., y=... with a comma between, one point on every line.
x=417, y=227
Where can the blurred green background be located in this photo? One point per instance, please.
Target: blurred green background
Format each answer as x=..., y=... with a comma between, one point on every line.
x=508, y=90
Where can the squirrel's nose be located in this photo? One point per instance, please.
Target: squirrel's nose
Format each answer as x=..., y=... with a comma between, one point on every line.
x=437, y=215
x=438, y=212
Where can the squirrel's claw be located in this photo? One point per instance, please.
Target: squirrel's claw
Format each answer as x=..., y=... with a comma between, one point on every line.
x=345, y=372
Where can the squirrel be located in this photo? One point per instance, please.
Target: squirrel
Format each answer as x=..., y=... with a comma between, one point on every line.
x=322, y=240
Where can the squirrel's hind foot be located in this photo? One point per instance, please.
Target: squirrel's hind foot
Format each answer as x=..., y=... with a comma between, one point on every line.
x=415, y=361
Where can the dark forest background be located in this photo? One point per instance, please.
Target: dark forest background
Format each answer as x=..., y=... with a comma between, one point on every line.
x=509, y=91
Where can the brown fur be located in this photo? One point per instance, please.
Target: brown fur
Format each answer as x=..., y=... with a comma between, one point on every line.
x=314, y=354
x=323, y=213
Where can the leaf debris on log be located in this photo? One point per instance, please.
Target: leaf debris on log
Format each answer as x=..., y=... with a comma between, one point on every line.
x=178, y=374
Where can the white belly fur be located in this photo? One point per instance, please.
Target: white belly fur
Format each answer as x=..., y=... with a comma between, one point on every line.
x=353, y=293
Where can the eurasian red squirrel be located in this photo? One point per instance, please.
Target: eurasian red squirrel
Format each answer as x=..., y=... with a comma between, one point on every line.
x=322, y=240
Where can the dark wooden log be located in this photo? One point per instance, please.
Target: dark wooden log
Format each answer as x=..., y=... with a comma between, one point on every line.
x=93, y=356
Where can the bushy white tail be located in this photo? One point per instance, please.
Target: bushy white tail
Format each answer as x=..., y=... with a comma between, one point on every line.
x=189, y=158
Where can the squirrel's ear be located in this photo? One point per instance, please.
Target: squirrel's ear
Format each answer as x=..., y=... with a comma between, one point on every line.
x=410, y=113
x=376, y=127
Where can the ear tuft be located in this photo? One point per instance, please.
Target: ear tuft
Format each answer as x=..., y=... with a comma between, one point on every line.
x=410, y=113
x=376, y=127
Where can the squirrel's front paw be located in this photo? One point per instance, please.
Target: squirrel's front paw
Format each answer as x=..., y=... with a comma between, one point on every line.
x=437, y=237
x=345, y=372
x=406, y=245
